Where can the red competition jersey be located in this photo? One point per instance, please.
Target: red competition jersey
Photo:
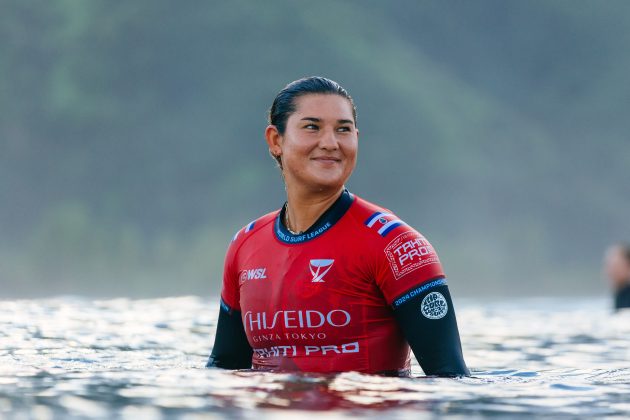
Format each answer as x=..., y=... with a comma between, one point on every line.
x=321, y=301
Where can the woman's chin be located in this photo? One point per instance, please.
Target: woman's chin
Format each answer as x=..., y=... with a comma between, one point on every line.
x=324, y=184
x=318, y=181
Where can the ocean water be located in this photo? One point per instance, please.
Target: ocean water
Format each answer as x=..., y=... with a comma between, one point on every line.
x=71, y=357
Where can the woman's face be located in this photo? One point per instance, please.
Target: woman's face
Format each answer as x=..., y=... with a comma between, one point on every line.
x=320, y=143
x=616, y=267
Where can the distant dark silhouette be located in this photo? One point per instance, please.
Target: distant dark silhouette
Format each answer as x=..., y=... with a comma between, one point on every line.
x=617, y=268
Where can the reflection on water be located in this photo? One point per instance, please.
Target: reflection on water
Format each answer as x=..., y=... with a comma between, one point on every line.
x=76, y=358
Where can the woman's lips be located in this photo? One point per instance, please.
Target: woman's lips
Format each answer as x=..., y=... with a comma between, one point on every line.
x=326, y=159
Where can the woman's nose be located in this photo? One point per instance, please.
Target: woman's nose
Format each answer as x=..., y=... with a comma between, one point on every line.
x=328, y=140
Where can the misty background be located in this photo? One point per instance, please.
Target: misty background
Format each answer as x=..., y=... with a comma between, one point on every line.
x=132, y=149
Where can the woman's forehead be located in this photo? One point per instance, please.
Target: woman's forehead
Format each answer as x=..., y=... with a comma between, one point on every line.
x=323, y=106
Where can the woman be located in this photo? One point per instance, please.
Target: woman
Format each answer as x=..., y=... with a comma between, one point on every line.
x=330, y=282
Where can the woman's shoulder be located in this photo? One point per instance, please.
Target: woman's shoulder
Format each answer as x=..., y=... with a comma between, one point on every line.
x=378, y=221
x=400, y=247
x=365, y=206
x=252, y=227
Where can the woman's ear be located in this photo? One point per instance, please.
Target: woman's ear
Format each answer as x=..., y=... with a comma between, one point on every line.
x=273, y=138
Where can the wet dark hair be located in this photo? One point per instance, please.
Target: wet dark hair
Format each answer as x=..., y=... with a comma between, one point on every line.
x=284, y=103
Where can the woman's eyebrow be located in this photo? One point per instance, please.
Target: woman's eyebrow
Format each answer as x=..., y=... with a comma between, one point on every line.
x=319, y=120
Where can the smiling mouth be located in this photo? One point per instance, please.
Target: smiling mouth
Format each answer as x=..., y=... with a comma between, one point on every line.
x=326, y=159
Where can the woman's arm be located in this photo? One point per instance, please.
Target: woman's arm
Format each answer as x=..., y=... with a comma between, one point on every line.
x=231, y=349
x=427, y=319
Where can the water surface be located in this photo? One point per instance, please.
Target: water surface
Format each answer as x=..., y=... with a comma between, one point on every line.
x=79, y=358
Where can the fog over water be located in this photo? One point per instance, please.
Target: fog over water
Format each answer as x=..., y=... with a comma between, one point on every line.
x=131, y=135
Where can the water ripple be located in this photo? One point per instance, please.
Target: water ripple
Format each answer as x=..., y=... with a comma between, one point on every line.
x=75, y=358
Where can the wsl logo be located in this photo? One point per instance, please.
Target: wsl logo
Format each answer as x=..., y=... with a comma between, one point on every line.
x=319, y=268
x=253, y=274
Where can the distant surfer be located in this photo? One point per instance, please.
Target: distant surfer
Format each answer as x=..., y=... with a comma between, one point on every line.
x=331, y=282
x=617, y=269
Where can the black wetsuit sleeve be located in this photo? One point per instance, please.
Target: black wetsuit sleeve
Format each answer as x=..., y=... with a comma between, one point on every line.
x=622, y=298
x=427, y=319
x=231, y=349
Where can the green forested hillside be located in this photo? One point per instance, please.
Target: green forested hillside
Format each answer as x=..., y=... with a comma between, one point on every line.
x=131, y=134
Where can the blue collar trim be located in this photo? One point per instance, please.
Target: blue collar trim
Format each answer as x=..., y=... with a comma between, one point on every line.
x=325, y=221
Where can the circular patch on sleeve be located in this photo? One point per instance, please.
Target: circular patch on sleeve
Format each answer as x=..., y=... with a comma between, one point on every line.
x=434, y=306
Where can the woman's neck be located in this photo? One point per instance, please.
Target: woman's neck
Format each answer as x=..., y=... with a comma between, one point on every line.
x=304, y=208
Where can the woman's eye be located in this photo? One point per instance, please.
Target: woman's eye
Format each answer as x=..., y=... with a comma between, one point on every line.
x=344, y=129
x=311, y=126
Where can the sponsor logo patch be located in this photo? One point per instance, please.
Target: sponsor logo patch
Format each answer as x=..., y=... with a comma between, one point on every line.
x=253, y=274
x=317, y=351
x=409, y=251
x=434, y=306
x=257, y=321
x=319, y=268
